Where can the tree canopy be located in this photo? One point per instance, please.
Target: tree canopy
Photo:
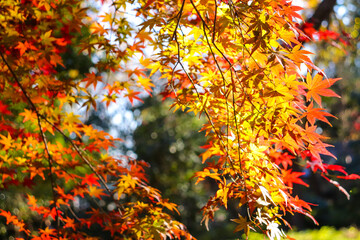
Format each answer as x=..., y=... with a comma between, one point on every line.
x=240, y=64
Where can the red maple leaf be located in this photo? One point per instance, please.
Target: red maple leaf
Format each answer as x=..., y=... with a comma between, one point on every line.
x=3, y=109
x=290, y=177
x=337, y=168
x=350, y=177
x=302, y=207
x=90, y=180
x=282, y=158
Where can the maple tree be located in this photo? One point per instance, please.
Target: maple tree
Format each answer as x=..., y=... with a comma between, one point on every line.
x=34, y=118
x=235, y=62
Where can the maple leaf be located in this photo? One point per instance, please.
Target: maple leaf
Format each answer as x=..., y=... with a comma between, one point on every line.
x=316, y=164
x=25, y=46
x=274, y=231
x=138, y=72
x=350, y=177
x=56, y=60
x=91, y=78
x=3, y=109
x=131, y=95
x=109, y=98
x=47, y=39
x=90, y=180
x=290, y=177
x=223, y=193
x=97, y=28
x=337, y=168
x=293, y=11
x=201, y=175
x=15, y=221
x=142, y=36
x=47, y=233
x=282, y=158
x=300, y=204
x=336, y=184
x=96, y=192
x=126, y=184
x=80, y=191
x=9, y=217
x=31, y=200
x=22, y=48
x=316, y=113
x=6, y=141
x=312, y=136
x=318, y=87
x=107, y=18
x=146, y=83
x=171, y=206
x=298, y=54
x=69, y=223
x=71, y=119
x=34, y=171
x=242, y=224
x=208, y=214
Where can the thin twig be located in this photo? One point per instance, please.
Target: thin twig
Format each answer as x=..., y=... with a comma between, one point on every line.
x=179, y=14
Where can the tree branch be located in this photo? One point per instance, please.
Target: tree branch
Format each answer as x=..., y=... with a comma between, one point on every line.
x=322, y=12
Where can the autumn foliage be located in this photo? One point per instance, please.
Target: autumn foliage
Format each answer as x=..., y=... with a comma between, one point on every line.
x=235, y=62
x=42, y=141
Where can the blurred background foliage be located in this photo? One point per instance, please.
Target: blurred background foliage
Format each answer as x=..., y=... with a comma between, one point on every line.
x=170, y=142
x=339, y=62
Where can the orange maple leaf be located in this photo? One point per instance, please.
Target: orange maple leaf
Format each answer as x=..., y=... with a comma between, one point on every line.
x=316, y=113
x=91, y=78
x=6, y=141
x=34, y=171
x=69, y=223
x=133, y=95
x=318, y=86
x=28, y=115
x=47, y=232
x=96, y=192
x=25, y=46
x=14, y=220
x=98, y=28
x=9, y=217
